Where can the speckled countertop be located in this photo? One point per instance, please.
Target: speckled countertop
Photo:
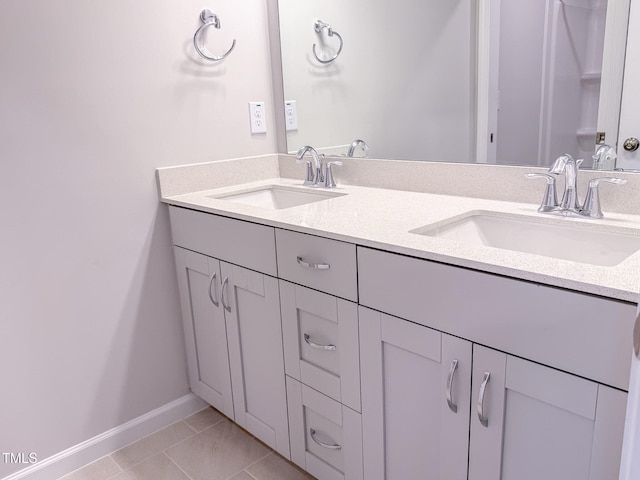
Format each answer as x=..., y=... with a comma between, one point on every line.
x=383, y=219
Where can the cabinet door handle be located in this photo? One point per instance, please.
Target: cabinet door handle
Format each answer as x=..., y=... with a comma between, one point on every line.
x=319, y=346
x=483, y=387
x=225, y=284
x=214, y=301
x=452, y=372
x=317, y=266
x=330, y=446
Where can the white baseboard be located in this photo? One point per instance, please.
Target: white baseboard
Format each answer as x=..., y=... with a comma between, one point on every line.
x=108, y=442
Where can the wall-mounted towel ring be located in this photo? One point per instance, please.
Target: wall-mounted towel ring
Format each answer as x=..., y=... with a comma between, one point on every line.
x=209, y=19
x=318, y=26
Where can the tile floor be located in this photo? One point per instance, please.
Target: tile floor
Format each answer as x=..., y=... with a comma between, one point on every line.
x=203, y=446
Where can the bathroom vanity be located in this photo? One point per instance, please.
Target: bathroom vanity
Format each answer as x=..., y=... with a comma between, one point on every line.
x=359, y=348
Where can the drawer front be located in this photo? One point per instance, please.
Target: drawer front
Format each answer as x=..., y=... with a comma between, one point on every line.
x=319, y=263
x=326, y=437
x=320, y=335
x=571, y=331
x=242, y=243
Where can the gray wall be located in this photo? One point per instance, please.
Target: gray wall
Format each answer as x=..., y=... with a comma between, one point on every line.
x=93, y=97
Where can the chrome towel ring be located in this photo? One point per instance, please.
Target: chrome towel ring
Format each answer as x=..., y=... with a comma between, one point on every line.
x=209, y=19
x=318, y=26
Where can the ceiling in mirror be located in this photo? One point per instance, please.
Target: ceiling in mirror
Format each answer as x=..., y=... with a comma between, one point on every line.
x=505, y=82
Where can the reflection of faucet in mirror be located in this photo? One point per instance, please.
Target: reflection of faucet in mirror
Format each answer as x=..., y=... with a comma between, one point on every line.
x=314, y=176
x=605, y=157
x=355, y=144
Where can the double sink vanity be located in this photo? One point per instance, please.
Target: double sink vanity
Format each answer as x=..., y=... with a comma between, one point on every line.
x=378, y=333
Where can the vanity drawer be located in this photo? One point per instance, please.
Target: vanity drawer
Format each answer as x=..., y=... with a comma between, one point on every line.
x=319, y=263
x=321, y=346
x=575, y=332
x=242, y=243
x=326, y=437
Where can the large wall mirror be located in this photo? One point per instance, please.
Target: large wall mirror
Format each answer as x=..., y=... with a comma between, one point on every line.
x=488, y=81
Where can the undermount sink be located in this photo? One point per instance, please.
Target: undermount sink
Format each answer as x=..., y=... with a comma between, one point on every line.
x=575, y=242
x=277, y=197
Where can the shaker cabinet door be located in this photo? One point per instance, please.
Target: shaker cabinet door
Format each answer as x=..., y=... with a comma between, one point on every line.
x=252, y=311
x=204, y=326
x=415, y=400
x=531, y=422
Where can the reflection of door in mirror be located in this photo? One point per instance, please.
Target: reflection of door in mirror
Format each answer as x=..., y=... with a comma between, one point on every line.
x=545, y=72
x=628, y=157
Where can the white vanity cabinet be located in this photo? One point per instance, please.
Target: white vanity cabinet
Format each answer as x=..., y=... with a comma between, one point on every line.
x=320, y=332
x=528, y=421
x=416, y=386
x=231, y=317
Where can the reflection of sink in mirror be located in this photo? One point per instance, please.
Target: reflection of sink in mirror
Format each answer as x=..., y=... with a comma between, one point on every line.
x=277, y=197
x=575, y=242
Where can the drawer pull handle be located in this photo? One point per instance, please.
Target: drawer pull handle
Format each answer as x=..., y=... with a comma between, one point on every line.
x=452, y=372
x=215, y=302
x=483, y=387
x=225, y=284
x=319, y=346
x=317, y=266
x=330, y=446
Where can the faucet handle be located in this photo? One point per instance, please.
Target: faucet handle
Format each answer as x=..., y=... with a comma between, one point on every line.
x=329, y=182
x=550, y=200
x=309, y=177
x=591, y=206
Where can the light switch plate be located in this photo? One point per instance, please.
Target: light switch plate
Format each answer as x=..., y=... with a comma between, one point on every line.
x=257, y=117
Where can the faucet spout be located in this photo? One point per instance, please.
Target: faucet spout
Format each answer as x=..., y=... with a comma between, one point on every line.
x=314, y=175
x=567, y=165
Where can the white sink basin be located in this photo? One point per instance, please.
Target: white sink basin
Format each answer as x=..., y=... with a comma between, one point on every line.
x=277, y=197
x=575, y=242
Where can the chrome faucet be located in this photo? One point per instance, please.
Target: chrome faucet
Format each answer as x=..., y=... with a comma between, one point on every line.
x=567, y=165
x=355, y=144
x=605, y=157
x=314, y=176
x=570, y=205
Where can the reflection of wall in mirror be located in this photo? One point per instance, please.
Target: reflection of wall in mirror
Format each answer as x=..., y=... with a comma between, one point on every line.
x=403, y=82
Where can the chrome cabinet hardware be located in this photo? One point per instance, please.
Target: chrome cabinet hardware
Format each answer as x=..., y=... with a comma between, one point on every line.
x=209, y=19
x=452, y=372
x=631, y=144
x=225, y=285
x=330, y=446
x=317, y=266
x=484, y=421
x=318, y=26
x=319, y=346
x=211, y=283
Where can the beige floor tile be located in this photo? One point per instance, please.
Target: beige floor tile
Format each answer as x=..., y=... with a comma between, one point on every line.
x=158, y=467
x=204, y=419
x=98, y=470
x=155, y=443
x=217, y=453
x=242, y=476
x=274, y=467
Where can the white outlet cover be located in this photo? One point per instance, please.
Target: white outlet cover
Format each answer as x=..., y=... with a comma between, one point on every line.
x=291, y=115
x=257, y=117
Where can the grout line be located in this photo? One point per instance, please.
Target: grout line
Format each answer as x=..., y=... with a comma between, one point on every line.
x=177, y=466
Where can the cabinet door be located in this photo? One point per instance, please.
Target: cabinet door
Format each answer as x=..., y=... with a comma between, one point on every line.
x=320, y=335
x=409, y=428
x=205, y=331
x=538, y=422
x=252, y=312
